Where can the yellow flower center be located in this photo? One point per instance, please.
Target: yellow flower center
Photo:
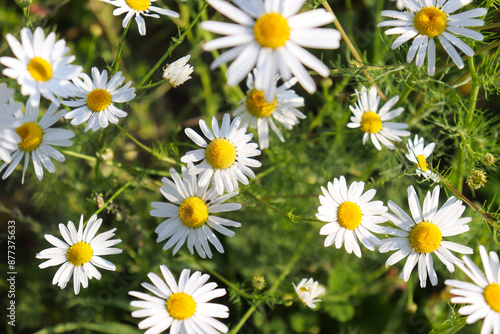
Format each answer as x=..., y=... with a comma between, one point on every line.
x=257, y=105
x=193, y=212
x=40, y=69
x=492, y=296
x=303, y=289
x=31, y=136
x=371, y=122
x=349, y=215
x=422, y=163
x=430, y=21
x=140, y=5
x=98, y=100
x=181, y=306
x=220, y=153
x=271, y=30
x=79, y=253
x=425, y=237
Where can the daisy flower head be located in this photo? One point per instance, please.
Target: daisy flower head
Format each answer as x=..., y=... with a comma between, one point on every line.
x=308, y=290
x=178, y=72
x=373, y=122
x=40, y=66
x=425, y=20
x=257, y=113
x=138, y=8
x=483, y=295
x=79, y=253
x=226, y=156
x=350, y=216
x=418, y=153
x=8, y=123
x=420, y=236
x=189, y=216
x=97, y=97
x=271, y=36
x=37, y=140
x=184, y=307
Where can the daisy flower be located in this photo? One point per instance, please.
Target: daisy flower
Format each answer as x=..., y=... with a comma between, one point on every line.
x=421, y=236
x=226, y=157
x=97, y=98
x=425, y=20
x=8, y=123
x=418, y=153
x=483, y=296
x=41, y=67
x=257, y=113
x=350, y=216
x=37, y=139
x=271, y=36
x=373, y=122
x=178, y=72
x=138, y=8
x=308, y=290
x=182, y=307
x=188, y=214
x=79, y=253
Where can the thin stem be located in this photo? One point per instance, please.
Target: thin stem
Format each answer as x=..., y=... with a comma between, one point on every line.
x=120, y=49
x=223, y=279
x=152, y=85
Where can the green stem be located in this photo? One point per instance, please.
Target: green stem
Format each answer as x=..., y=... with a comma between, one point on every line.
x=152, y=85
x=26, y=12
x=222, y=279
x=377, y=40
x=120, y=49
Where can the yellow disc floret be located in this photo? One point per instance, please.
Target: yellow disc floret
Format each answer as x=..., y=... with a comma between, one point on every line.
x=271, y=30
x=40, y=69
x=79, y=253
x=193, y=212
x=430, y=21
x=139, y=5
x=371, y=122
x=492, y=296
x=349, y=215
x=422, y=163
x=220, y=153
x=425, y=237
x=98, y=99
x=31, y=136
x=180, y=306
x=257, y=105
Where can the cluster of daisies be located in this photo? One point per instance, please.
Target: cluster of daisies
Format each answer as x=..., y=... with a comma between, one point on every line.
x=266, y=45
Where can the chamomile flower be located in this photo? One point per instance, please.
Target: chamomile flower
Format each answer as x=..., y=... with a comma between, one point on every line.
x=421, y=236
x=8, y=123
x=40, y=66
x=226, y=156
x=79, y=253
x=483, y=295
x=271, y=36
x=189, y=214
x=178, y=72
x=138, y=8
x=373, y=122
x=308, y=290
x=418, y=153
x=257, y=113
x=37, y=139
x=425, y=20
x=97, y=98
x=350, y=216
x=183, y=307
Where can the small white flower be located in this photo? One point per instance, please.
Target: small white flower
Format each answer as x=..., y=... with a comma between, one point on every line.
x=178, y=72
x=183, y=307
x=422, y=236
x=138, y=8
x=418, y=154
x=424, y=20
x=372, y=121
x=189, y=214
x=351, y=216
x=80, y=253
x=484, y=295
x=8, y=123
x=37, y=139
x=308, y=290
x=226, y=157
x=41, y=67
x=257, y=113
x=97, y=98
